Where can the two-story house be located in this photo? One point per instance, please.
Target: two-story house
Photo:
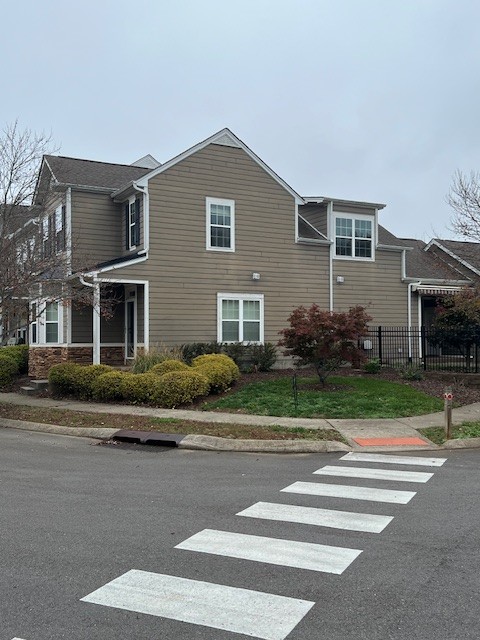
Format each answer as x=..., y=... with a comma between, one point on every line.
x=211, y=245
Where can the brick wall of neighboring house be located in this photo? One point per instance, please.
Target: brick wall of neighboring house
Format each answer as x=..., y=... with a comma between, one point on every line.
x=41, y=359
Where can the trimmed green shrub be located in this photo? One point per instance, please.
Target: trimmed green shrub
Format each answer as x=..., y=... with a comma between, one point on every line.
x=62, y=378
x=139, y=388
x=108, y=386
x=192, y=350
x=217, y=374
x=8, y=370
x=84, y=379
x=180, y=387
x=220, y=359
x=169, y=365
x=372, y=366
x=20, y=354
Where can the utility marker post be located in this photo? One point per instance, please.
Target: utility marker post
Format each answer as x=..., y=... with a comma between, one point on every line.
x=448, y=402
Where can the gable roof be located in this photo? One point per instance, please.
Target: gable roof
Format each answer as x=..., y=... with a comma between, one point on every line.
x=90, y=173
x=223, y=137
x=467, y=253
x=422, y=265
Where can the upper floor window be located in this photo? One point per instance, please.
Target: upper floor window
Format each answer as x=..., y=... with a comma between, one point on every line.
x=220, y=224
x=240, y=317
x=353, y=236
x=60, y=224
x=132, y=223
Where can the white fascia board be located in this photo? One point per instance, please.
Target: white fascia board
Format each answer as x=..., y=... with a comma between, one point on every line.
x=342, y=201
x=425, y=282
x=114, y=267
x=392, y=247
x=452, y=255
x=220, y=135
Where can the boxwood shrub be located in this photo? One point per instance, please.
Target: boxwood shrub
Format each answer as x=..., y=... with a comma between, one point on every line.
x=62, y=377
x=108, y=386
x=180, y=387
x=84, y=379
x=219, y=359
x=139, y=388
x=169, y=365
x=19, y=353
x=8, y=370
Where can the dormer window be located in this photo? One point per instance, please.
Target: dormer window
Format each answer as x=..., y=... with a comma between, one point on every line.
x=132, y=223
x=353, y=236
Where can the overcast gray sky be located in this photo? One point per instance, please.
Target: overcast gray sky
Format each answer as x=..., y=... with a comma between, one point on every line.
x=373, y=100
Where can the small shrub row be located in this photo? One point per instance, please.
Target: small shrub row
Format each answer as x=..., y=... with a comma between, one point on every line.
x=13, y=362
x=248, y=357
x=167, y=384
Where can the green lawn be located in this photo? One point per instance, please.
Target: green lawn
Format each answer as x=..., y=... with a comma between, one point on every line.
x=347, y=397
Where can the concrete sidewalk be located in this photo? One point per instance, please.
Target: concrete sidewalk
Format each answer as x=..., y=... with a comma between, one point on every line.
x=352, y=430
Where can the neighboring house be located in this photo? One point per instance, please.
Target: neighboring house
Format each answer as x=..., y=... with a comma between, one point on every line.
x=211, y=245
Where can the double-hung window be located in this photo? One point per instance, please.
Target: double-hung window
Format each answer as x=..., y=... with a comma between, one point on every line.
x=220, y=224
x=354, y=236
x=46, y=322
x=240, y=317
x=132, y=223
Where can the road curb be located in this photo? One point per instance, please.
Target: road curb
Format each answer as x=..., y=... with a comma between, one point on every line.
x=214, y=443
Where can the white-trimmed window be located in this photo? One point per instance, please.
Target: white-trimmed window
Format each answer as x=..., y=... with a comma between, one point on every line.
x=240, y=317
x=46, y=326
x=354, y=236
x=220, y=224
x=132, y=223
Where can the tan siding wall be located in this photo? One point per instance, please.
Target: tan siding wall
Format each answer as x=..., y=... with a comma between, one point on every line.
x=97, y=224
x=375, y=285
x=185, y=278
x=316, y=214
x=354, y=210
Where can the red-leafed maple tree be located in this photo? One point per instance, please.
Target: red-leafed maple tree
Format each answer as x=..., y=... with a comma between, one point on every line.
x=325, y=339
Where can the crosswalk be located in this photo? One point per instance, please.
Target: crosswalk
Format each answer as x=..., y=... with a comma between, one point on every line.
x=255, y=613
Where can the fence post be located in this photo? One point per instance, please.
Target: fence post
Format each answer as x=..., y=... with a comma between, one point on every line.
x=424, y=347
x=379, y=336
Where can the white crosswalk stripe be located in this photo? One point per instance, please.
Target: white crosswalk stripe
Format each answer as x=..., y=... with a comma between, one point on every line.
x=253, y=613
x=350, y=521
x=287, y=553
x=350, y=492
x=391, y=459
x=374, y=474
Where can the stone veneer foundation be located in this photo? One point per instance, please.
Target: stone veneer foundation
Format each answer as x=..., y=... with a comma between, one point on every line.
x=41, y=359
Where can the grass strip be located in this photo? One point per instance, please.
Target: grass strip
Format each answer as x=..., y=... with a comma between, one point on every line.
x=170, y=425
x=465, y=430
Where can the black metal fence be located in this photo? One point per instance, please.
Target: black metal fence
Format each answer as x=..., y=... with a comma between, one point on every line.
x=420, y=347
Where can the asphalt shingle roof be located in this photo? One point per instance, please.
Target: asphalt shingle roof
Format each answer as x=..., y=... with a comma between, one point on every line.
x=467, y=251
x=90, y=173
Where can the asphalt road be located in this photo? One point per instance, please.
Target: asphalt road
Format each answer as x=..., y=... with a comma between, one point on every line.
x=75, y=516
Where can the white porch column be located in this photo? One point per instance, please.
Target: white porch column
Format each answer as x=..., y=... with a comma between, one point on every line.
x=96, y=323
x=146, y=316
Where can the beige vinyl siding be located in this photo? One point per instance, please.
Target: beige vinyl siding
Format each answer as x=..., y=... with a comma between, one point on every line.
x=352, y=209
x=97, y=224
x=111, y=328
x=185, y=278
x=316, y=215
x=374, y=285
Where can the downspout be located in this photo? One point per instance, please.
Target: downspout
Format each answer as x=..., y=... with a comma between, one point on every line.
x=332, y=249
x=96, y=318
